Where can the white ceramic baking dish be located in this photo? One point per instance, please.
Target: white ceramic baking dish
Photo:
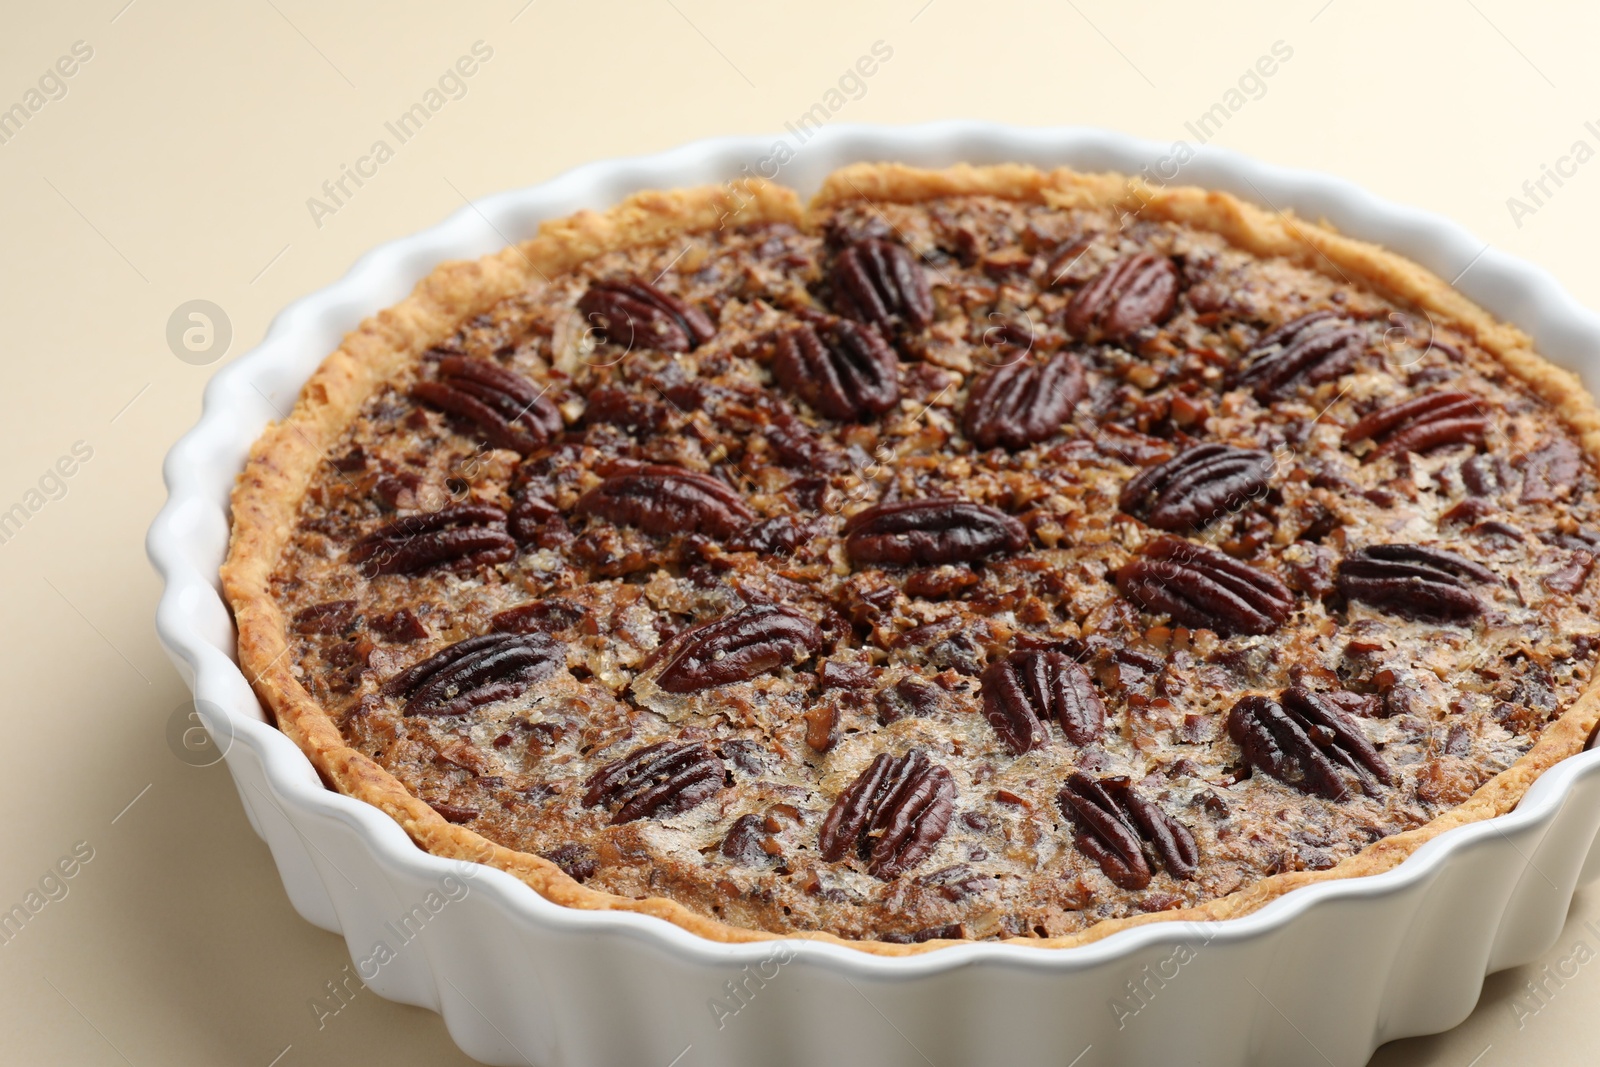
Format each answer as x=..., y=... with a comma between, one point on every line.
x=1323, y=974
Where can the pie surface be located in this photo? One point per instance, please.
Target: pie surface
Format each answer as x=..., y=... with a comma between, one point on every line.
x=978, y=554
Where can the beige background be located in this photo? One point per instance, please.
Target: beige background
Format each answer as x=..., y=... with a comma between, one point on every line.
x=177, y=166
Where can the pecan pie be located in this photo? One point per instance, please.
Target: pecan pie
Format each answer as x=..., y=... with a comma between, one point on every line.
x=973, y=554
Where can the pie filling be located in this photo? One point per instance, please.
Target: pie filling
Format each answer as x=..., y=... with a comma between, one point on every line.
x=968, y=568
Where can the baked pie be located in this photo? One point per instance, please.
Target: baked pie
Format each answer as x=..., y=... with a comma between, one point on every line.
x=971, y=554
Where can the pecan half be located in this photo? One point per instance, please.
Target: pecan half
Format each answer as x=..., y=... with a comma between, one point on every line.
x=737, y=647
x=1200, y=586
x=1025, y=690
x=666, y=778
x=780, y=535
x=634, y=313
x=477, y=671
x=842, y=369
x=543, y=616
x=1571, y=575
x=1023, y=402
x=909, y=696
x=1550, y=471
x=1308, y=742
x=1196, y=486
x=1414, y=581
x=879, y=282
x=665, y=500
x=797, y=445
x=1126, y=296
x=509, y=410
x=1432, y=420
x=893, y=815
x=931, y=532
x=1309, y=350
x=401, y=626
x=331, y=617
x=749, y=843
x=533, y=519
x=1485, y=475
x=577, y=861
x=1115, y=822
x=609, y=405
x=467, y=535
x=958, y=882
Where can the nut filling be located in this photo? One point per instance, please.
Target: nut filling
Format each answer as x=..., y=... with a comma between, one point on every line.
x=966, y=568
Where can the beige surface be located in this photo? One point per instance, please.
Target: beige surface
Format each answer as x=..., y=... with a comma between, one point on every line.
x=177, y=166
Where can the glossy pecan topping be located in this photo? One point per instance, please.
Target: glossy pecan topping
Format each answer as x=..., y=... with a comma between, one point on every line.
x=1115, y=824
x=636, y=314
x=1308, y=742
x=1025, y=690
x=667, y=500
x=1024, y=401
x=666, y=778
x=1201, y=587
x=1309, y=350
x=1196, y=486
x=844, y=370
x=1126, y=296
x=1414, y=581
x=477, y=671
x=466, y=535
x=879, y=282
x=893, y=815
x=932, y=532
x=1432, y=420
x=509, y=410
x=737, y=647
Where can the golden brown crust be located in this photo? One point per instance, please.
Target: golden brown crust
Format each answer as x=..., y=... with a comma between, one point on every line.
x=267, y=496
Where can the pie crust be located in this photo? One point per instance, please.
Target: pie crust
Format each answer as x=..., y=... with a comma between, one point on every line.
x=267, y=499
